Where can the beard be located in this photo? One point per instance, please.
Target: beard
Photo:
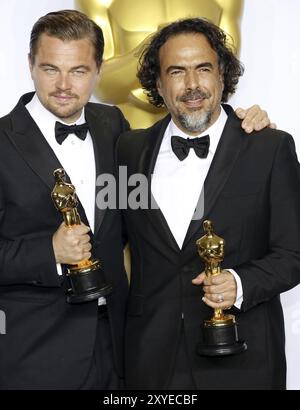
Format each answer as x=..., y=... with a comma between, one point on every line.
x=65, y=113
x=195, y=120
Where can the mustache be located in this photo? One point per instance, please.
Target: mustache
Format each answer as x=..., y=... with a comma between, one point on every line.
x=194, y=95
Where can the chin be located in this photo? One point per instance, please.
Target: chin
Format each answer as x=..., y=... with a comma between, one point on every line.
x=65, y=113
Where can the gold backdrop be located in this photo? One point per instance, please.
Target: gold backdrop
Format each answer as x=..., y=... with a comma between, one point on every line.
x=126, y=24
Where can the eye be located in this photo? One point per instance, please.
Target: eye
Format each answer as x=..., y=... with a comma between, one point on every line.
x=176, y=72
x=204, y=69
x=79, y=73
x=50, y=70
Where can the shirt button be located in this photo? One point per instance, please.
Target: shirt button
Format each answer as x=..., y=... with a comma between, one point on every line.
x=73, y=142
x=82, y=181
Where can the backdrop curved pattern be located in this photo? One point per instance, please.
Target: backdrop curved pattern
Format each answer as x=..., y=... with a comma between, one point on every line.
x=270, y=52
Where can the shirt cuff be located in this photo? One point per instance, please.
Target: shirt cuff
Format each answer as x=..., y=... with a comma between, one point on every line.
x=59, y=269
x=101, y=301
x=239, y=289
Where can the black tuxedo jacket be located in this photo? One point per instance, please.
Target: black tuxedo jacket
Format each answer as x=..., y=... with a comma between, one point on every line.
x=252, y=195
x=49, y=343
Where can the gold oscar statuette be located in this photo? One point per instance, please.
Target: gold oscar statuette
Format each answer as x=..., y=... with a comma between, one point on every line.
x=86, y=277
x=220, y=336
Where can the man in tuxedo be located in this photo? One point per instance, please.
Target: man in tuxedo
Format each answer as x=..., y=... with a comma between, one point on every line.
x=251, y=194
x=49, y=343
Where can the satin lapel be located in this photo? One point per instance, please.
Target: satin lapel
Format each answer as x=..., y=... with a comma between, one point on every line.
x=223, y=162
x=31, y=144
x=146, y=167
x=100, y=131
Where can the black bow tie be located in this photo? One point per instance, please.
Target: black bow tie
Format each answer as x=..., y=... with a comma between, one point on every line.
x=62, y=131
x=181, y=146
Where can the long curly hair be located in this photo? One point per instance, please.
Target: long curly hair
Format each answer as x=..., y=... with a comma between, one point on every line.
x=149, y=65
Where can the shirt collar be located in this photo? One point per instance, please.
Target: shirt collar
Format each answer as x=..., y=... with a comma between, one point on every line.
x=214, y=131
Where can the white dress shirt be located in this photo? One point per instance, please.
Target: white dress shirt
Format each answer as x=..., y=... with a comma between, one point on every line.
x=177, y=185
x=76, y=157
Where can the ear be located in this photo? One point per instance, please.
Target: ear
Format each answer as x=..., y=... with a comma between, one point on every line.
x=30, y=63
x=158, y=86
x=221, y=78
x=100, y=68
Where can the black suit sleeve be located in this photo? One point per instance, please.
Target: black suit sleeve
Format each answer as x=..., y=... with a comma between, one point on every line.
x=27, y=260
x=25, y=257
x=279, y=270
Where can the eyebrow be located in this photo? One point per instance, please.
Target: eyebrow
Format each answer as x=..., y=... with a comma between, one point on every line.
x=82, y=66
x=178, y=67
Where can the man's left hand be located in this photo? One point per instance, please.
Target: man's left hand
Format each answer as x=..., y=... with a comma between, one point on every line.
x=255, y=119
x=219, y=290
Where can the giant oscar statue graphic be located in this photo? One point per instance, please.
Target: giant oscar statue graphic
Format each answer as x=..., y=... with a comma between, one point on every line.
x=126, y=24
x=86, y=277
x=220, y=333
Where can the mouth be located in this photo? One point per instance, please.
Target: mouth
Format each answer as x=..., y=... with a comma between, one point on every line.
x=194, y=99
x=194, y=103
x=63, y=99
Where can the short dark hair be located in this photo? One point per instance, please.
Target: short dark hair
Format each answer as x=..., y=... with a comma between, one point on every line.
x=149, y=67
x=68, y=25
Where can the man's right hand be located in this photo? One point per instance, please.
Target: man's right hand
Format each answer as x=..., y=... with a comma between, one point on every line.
x=71, y=245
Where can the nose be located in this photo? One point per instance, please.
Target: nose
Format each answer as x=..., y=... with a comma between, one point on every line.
x=63, y=82
x=191, y=80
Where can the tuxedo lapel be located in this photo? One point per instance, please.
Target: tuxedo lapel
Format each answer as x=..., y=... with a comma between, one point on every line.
x=146, y=167
x=223, y=162
x=100, y=131
x=31, y=144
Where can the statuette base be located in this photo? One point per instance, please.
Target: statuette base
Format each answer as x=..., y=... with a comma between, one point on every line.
x=86, y=283
x=220, y=340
